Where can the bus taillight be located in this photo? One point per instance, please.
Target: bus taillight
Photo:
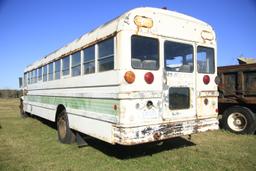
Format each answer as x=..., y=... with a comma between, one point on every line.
x=206, y=79
x=149, y=77
x=129, y=77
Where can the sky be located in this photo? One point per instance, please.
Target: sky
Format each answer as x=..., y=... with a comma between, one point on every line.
x=31, y=29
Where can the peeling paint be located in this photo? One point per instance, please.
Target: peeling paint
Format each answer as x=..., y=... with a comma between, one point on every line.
x=143, y=134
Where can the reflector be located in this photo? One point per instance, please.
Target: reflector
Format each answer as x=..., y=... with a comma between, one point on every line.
x=129, y=77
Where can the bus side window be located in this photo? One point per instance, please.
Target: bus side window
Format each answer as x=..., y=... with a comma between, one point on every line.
x=28, y=76
x=89, y=60
x=40, y=74
x=50, y=72
x=65, y=66
x=76, y=64
x=35, y=78
x=57, y=70
x=25, y=79
x=106, y=55
x=45, y=73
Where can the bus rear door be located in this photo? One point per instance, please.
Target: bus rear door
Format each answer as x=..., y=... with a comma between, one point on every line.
x=179, y=96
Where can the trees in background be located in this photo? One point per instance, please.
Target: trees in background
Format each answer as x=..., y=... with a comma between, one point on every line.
x=6, y=93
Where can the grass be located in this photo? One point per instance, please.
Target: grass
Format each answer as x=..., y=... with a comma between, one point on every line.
x=31, y=144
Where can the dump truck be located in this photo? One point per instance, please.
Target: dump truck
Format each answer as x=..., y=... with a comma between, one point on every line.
x=237, y=98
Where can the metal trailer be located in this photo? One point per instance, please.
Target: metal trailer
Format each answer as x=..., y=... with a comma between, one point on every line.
x=237, y=98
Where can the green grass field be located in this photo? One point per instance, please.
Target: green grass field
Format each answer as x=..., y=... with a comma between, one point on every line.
x=31, y=144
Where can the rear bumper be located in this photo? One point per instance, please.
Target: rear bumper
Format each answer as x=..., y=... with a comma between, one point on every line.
x=150, y=133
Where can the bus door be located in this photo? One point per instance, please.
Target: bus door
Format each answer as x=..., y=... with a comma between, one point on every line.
x=207, y=93
x=179, y=82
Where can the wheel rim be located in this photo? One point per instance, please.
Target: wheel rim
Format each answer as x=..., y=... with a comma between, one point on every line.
x=237, y=122
x=62, y=127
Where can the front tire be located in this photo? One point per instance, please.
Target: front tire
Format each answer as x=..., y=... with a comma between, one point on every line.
x=23, y=114
x=240, y=120
x=65, y=134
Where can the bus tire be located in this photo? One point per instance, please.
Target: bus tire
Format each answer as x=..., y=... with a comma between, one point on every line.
x=240, y=120
x=65, y=134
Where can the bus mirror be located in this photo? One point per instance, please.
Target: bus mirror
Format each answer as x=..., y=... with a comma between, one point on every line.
x=20, y=82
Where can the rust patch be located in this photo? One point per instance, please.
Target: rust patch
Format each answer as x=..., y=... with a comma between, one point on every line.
x=157, y=135
x=145, y=134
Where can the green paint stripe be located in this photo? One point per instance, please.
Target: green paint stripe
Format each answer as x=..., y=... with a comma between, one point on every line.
x=92, y=105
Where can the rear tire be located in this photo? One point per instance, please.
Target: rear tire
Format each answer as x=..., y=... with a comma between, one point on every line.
x=240, y=120
x=65, y=134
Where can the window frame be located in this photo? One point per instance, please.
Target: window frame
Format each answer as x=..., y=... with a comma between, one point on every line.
x=54, y=73
x=32, y=77
x=45, y=75
x=89, y=61
x=185, y=103
x=25, y=79
x=50, y=73
x=62, y=63
x=78, y=65
x=184, y=43
x=35, y=76
x=214, y=59
x=28, y=77
x=97, y=54
x=159, y=46
x=40, y=74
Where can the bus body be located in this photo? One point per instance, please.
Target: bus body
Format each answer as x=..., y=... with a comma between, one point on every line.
x=145, y=76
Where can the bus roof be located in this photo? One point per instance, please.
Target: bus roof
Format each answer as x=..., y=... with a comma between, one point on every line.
x=161, y=17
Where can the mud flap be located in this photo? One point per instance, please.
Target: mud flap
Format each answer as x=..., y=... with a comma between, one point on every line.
x=80, y=140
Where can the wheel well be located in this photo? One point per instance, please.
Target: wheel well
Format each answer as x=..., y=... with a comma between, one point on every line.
x=60, y=108
x=225, y=106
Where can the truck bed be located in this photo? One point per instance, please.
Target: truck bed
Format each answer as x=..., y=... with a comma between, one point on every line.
x=237, y=84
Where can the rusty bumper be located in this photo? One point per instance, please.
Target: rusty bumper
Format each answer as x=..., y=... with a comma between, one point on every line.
x=150, y=133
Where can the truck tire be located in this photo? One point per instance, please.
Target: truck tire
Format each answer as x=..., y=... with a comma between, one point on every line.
x=240, y=120
x=65, y=134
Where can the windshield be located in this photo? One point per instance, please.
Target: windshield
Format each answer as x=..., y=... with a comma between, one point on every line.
x=205, y=60
x=145, y=53
x=178, y=57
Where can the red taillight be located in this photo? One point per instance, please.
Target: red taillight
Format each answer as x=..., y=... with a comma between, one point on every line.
x=149, y=77
x=129, y=77
x=206, y=79
x=217, y=110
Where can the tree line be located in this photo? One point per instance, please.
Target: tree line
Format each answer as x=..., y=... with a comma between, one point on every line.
x=7, y=93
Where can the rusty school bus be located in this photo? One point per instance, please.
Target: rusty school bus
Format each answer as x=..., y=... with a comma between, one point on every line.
x=237, y=100
x=147, y=75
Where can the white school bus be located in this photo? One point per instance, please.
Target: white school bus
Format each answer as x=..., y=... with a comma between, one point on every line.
x=148, y=75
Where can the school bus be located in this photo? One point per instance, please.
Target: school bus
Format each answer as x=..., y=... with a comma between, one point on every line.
x=148, y=75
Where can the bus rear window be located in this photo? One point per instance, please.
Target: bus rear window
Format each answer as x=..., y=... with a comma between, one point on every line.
x=145, y=53
x=205, y=60
x=178, y=57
